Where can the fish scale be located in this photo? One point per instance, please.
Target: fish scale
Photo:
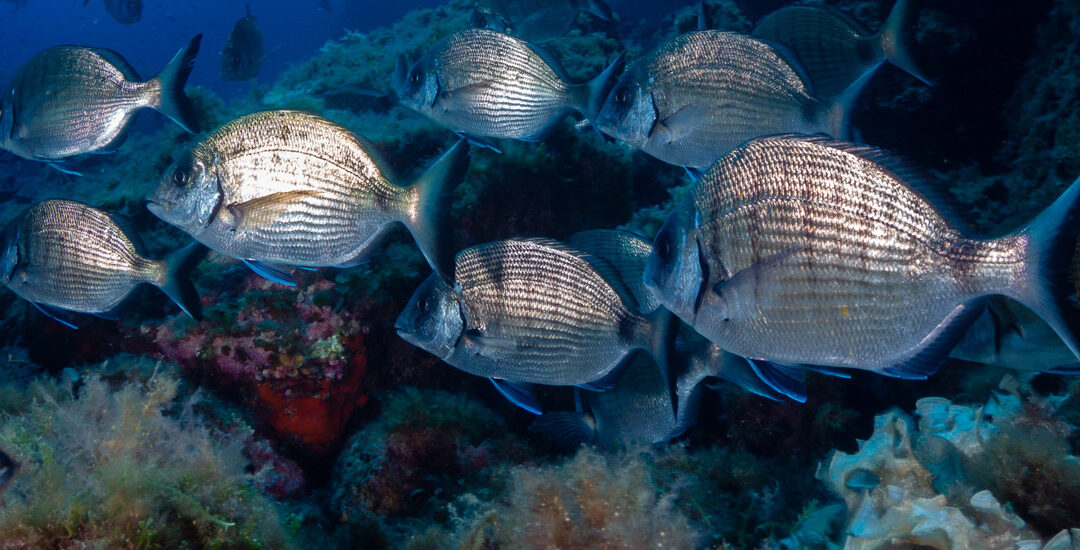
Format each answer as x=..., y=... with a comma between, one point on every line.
x=553, y=300
x=870, y=262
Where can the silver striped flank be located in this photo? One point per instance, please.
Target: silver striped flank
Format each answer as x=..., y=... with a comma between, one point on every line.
x=69, y=255
x=701, y=94
x=536, y=311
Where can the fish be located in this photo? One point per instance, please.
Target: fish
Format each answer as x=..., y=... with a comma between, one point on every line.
x=8, y=469
x=836, y=50
x=287, y=188
x=699, y=95
x=796, y=250
x=486, y=84
x=539, y=20
x=125, y=12
x=71, y=100
x=638, y=408
x=64, y=255
x=532, y=311
x=1010, y=336
x=243, y=53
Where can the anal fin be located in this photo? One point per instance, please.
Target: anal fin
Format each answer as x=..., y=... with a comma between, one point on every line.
x=518, y=393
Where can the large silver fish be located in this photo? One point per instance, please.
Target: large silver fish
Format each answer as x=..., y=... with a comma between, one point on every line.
x=531, y=311
x=483, y=83
x=70, y=100
x=798, y=250
x=701, y=94
x=289, y=188
x=835, y=49
x=243, y=53
x=539, y=20
x=65, y=255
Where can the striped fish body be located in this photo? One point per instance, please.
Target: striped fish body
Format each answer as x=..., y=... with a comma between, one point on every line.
x=536, y=311
x=485, y=83
x=817, y=252
x=71, y=256
x=701, y=94
x=70, y=100
x=283, y=187
x=834, y=49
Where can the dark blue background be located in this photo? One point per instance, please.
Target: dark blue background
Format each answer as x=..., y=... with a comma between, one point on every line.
x=296, y=28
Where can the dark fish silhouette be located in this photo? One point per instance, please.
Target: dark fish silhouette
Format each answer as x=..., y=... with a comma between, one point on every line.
x=70, y=100
x=123, y=11
x=243, y=53
x=8, y=469
x=537, y=20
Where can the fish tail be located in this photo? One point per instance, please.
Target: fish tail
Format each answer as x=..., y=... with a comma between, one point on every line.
x=601, y=9
x=1050, y=286
x=664, y=327
x=177, y=282
x=172, y=101
x=838, y=110
x=595, y=91
x=897, y=39
x=429, y=221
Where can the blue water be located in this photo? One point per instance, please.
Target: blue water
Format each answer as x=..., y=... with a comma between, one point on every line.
x=292, y=30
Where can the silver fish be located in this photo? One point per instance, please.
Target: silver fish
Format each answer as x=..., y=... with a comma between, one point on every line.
x=701, y=94
x=797, y=250
x=66, y=255
x=638, y=409
x=125, y=12
x=540, y=20
x=531, y=311
x=289, y=188
x=243, y=53
x=484, y=83
x=71, y=100
x=838, y=51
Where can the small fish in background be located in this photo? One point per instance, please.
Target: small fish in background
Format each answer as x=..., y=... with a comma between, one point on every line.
x=324, y=5
x=701, y=94
x=1009, y=335
x=797, y=250
x=8, y=469
x=125, y=12
x=243, y=53
x=537, y=20
x=286, y=188
x=65, y=255
x=71, y=100
x=483, y=84
x=532, y=311
x=836, y=50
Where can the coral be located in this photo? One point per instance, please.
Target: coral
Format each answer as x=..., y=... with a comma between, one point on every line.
x=110, y=468
x=940, y=486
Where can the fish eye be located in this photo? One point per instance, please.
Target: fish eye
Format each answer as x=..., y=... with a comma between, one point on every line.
x=181, y=176
x=622, y=96
x=415, y=77
x=664, y=246
x=424, y=304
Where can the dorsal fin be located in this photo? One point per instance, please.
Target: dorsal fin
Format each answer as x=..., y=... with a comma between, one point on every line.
x=119, y=62
x=626, y=253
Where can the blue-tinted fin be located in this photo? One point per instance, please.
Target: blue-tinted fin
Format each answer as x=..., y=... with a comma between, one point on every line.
x=518, y=393
x=942, y=340
x=788, y=381
x=693, y=173
x=56, y=165
x=271, y=272
x=58, y=315
x=566, y=430
x=306, y=267
x=604, y=383
x=478, y=141
x=828, y=371
x=1067, y=370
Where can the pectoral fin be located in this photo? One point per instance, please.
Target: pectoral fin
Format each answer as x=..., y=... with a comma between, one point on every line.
x=755, y=287
x=464, y=97
x=679, y=124
x=265, y=210
x=490, y=346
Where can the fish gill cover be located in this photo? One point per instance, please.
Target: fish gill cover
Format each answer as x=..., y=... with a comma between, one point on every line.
x=797, y=342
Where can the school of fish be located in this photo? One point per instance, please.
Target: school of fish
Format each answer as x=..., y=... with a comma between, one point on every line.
x=795, y=249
